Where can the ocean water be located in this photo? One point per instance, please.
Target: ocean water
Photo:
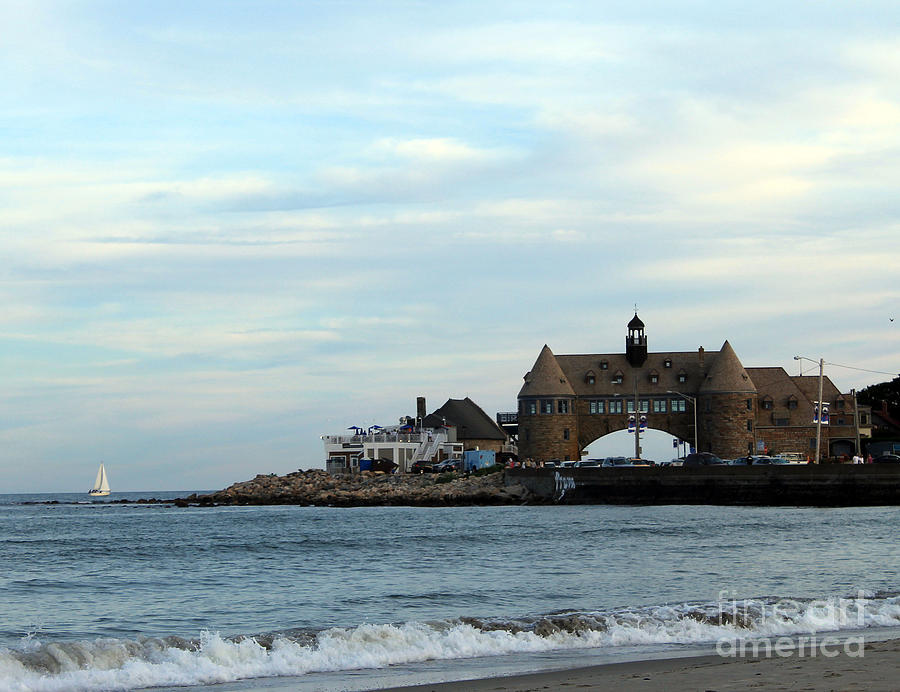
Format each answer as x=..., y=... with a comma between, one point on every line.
x=104, y=596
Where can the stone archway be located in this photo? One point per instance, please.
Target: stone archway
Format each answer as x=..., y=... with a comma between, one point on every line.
x=656, y=445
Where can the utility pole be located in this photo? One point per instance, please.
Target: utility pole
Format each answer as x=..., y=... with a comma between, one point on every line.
x=637, y=421
x=856, y=422
x=821, y=406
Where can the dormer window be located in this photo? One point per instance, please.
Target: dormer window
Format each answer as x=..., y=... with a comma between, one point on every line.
x=766, y=402
x=682, y=377
x=604, y=365
x=654, y=377
x=839, y=403
x=618, y=377
x=590, y=377
x=792, y=402
x=667, y=363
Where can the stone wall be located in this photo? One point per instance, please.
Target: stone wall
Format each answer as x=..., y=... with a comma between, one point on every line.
x=542, y=436
x=726, y=424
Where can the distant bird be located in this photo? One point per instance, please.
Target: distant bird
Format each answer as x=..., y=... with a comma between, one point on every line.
x=891, y=319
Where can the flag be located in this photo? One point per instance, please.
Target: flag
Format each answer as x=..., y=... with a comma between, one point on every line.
x=824, y=414
x=643, y=423
x=631, y=424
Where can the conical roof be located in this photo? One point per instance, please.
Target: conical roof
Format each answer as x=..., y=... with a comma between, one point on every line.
x=546, y=378
x=636, y=323
x=727, y=374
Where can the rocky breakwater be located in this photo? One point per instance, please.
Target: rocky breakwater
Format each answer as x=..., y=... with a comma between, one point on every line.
x=316, y=487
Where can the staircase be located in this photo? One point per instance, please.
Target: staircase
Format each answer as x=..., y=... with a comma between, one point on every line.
x=428, y=448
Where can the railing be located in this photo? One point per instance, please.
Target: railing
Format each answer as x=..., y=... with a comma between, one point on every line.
x=379, y=437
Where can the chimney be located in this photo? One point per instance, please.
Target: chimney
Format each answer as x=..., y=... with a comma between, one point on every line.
x=420, y=407
x=700, y=353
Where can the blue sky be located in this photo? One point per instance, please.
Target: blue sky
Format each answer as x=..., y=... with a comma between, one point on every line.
x=227, y=228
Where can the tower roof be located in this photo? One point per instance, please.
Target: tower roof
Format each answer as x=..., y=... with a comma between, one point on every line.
x=727, y=374
x=546, y=378
x=635, y=322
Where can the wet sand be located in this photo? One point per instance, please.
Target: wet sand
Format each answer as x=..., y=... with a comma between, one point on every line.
x=877, y=670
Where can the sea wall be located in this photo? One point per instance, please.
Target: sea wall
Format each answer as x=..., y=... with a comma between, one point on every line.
x=805, y=485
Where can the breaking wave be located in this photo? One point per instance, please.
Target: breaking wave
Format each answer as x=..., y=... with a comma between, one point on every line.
x=118, y=664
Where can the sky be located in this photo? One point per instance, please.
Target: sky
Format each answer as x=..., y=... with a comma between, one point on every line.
x=229, y=228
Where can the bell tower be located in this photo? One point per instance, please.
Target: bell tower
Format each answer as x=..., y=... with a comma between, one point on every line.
x=636, y=342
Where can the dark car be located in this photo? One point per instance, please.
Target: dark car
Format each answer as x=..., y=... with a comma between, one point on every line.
x=703, y=459
x=422, y=466
x=887, y=459
x=448, y=465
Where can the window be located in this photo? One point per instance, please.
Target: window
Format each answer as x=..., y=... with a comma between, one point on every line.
x=708, y=406
x=596, y=407
x=682, y=377
x=562, y=406
x=654, y=377
x=749, y=404
x=604, y=365
x=565, y=433
x=617, y=378
x=839, y=404
x=591, y=379
x=546, y=406
x=659, y=406
x=767, y=403
x=782, y=422
x=749, y=425
x=863, y=419
x=812, y=443
x=679, y=406
x=792, y=404
x=645, y=406
x=667, y=363
x=532, y=407
x=840, y=421
x=629, y=406
x=615, y=406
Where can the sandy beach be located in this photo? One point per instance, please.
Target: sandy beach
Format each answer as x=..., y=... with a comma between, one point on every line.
x=877, y=670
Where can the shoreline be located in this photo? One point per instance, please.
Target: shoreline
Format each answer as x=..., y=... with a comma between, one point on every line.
x=876, y=670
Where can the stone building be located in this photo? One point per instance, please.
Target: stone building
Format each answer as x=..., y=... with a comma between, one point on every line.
x=568, y=401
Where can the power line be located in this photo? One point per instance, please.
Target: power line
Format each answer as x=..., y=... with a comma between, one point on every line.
x=850, y=367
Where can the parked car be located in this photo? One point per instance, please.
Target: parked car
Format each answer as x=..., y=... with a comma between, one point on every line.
x=422, y=466
x=677, y=462
x=887, y=459
x=614, y=461
x=447, y=465
x=588, y=462
x=635, y=461
x=741, y=461
x=703, y=459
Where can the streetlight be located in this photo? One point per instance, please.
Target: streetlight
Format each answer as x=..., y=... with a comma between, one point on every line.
x=819, y=403
x=694, y=404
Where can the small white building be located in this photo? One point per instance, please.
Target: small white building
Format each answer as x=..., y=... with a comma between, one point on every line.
x=402, y=444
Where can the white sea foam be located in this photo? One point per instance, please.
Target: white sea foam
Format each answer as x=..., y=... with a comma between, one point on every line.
x=114, y=664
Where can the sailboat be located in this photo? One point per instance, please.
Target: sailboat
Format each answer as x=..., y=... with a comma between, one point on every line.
x=101, y=485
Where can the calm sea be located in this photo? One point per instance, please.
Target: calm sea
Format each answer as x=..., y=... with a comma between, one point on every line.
x=102, y=596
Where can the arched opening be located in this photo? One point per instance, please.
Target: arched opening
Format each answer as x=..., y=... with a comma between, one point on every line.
x=655, y=445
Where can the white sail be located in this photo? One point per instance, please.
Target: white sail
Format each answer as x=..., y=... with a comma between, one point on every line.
x=101, y=485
